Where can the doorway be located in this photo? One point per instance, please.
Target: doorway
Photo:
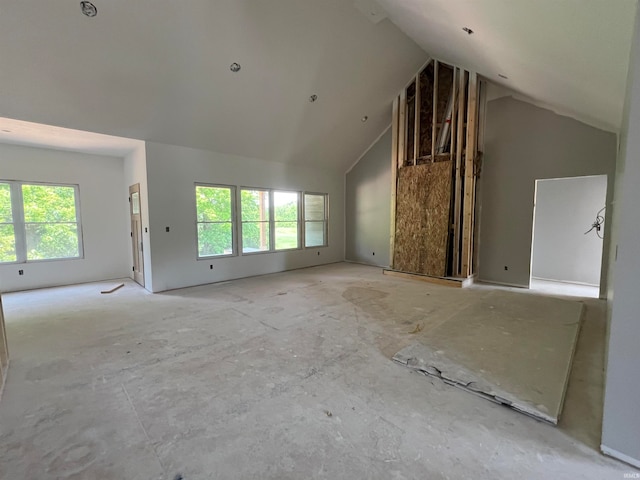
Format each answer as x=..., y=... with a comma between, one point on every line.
x=136, y=233
x=568, y=235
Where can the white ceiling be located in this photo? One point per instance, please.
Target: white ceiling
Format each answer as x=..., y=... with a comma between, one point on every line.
x=19, y=132
x=159, y=70
x=570, y=55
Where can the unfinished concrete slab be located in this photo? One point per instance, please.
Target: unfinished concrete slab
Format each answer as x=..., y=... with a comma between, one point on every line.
x=510, y=348
x=286, y=376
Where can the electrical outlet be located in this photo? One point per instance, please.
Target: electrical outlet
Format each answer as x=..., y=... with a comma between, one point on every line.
x=166, y=229
x=210, y=267
x=146, y=230
x=318, y=253
x=506, y=268
x=20, y=272
x=374, y=254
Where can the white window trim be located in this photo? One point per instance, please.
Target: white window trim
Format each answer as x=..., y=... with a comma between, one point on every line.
x=325, y=221
x=19, y=224
x=272, y=221
x=234, y=222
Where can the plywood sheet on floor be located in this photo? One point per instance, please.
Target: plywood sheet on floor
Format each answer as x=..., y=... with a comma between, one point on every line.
x=422, y=218
x=513, y=348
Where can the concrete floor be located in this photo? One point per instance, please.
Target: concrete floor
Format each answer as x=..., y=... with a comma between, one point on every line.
x=286, y=376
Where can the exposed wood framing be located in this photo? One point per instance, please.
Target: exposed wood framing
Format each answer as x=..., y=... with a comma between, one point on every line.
x=469, y=176
x=402, y=129
x=457, y=205
x=434, y=124
x=416, y=128
x=395, y=164
x=444, y=125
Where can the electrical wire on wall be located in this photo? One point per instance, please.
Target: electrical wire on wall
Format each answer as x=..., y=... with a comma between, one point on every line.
x=597, y=225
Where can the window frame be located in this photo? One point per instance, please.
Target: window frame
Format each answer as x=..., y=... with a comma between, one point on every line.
x=234, y=223
x=325, y=221
x=272, y=222
x=19, y=223
x=268, y=222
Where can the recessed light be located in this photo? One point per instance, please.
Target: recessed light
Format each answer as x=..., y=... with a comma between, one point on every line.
x=467, y=30
x=89, y=9
x=313, y=98
x=364, y=119
x=503, y=76
x=235, y=67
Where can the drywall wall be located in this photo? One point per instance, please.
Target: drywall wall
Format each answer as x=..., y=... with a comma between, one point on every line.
x=102, y=208
x=172, y=172
x=368, y=205
x=565, y=209
x=621, y=422
x=135, y=171
x=524, y=143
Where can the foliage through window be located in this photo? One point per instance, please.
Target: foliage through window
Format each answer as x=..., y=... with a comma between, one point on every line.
x=39, y=222
x=285, y=219
x=215, y=220
x=315, y=220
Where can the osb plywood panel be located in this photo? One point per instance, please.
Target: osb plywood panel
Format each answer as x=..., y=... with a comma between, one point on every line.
x=422, y=218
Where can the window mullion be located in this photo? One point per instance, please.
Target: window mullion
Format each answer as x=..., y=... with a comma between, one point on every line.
x=19, y=230
x=272, y=223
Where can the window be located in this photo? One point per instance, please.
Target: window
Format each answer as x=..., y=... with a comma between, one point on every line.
x=7, y=228
x=315, y=220
x=39, y=222
x=270, y=220
x=285, y=219
x=215, y=220
x=256, y=236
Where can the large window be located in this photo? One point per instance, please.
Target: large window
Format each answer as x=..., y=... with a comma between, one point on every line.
x=270, y=220
x=215, y=220
x=39, y=222
x=285, y=219
x=256, y=236
x=315, y=220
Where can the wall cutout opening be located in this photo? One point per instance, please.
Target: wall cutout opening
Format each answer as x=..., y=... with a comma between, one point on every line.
x=568, y=235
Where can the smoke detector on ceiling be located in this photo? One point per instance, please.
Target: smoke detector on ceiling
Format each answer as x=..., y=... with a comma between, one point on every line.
x=313, y=98
x=364, y=119
x=467, y=30
x=89, y=9
x=235, y=67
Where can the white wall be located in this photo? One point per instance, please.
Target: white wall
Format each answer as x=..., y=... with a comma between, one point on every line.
x=524, y=143
x=135, y=171
x=172, y=172
x=368, y=205
x=621, y=420
x=102, y=208
x=565, y=209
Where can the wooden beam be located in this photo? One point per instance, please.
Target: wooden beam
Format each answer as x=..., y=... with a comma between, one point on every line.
x=458, y=176
x=469, y=175
x=449, y=282
x=402, y=128
x=416, y=124
x=117, y=287
x=435, y=110
x=395, y=127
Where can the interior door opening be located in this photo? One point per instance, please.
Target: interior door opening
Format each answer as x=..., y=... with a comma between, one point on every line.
x=568, y=235
x=136, y=234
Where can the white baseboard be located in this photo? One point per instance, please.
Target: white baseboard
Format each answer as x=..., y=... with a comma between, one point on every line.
x=566, y=281
x=620, y=456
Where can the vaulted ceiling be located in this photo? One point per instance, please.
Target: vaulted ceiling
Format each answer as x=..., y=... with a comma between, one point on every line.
x=159, y=69
x=569, y=55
